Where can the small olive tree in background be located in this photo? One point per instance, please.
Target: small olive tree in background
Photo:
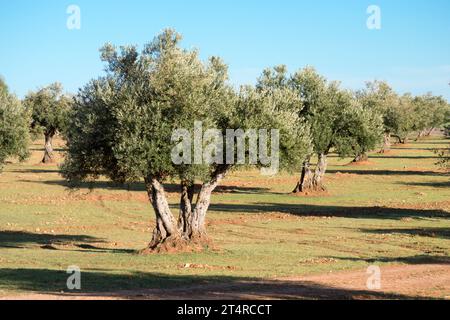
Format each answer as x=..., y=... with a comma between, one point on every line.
x=49, y=109
x=14, y=124
x=122, y=127
x=429, y=113
x=379, y=97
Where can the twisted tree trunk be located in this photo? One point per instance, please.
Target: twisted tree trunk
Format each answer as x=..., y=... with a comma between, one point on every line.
x=319, y=173
x=310, y=181
x=305, y=182
x=190, y=227
x=166, y=232
x=48, y=153
x=197, y=229
x=187, y=195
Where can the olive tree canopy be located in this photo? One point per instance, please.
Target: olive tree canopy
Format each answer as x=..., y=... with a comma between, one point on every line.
x=122, y=126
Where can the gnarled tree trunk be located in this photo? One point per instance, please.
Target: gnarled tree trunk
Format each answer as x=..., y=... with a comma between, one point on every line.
x=319, y=173
x=197, y=228
x=386, y=143
x=166, y=231
x=187, y=196
x=305, y=182
x=190, y=228
x=310, y=181
x=48, y=153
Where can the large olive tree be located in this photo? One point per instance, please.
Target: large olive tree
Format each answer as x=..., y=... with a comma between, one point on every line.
x=14, y=123
x=126, y=126
x=48, y=107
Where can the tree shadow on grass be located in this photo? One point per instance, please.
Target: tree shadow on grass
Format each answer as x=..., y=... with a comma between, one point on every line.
x=390, y=172
x=84, y=243
x=20, y=239
x=432, y=141
x=35, y=171
x=139, y=186
x=433, y=184
x=404, y=157
x=306, y=210
x=418, y=259
x=443, y=233
x=143, y=285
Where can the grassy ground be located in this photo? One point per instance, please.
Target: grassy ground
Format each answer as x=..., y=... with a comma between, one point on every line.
x=392, y=210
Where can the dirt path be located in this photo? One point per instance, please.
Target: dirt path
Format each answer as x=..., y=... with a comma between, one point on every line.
x=397, y=282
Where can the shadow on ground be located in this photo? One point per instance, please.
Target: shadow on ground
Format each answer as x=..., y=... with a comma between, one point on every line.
x=443, y=233
x=20, y=239
x=419, y=259
x=161, y=286
x=433, y=184
x=135, y=186
x=331, y=211
x=83, y=243
x=390, y=172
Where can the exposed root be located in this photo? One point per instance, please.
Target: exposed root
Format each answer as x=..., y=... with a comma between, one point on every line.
x=174, y=245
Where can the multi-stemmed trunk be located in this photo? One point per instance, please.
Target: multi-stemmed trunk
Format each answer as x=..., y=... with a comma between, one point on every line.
x=190, y=227
x=310, y=181
x=48, y=146
x=305, y=182
x=386, y=143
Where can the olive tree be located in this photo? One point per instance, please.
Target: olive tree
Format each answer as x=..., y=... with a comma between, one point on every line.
x=14, y=122
x=401, y=118
x=136, y=123
x=48, y=107
x=429, y=113
x=379, y=97
x=337, y=122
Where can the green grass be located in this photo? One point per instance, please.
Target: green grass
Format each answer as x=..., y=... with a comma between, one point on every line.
x=394, y=210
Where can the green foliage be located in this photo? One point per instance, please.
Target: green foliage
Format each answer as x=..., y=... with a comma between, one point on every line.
x=335, y=119
x=3, y=86
x=49, y=108
x=14, y=122
x=429, y=112
x=405, y=114
x=122, y=123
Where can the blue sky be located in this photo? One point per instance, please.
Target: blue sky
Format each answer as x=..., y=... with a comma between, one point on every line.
x=411, y=51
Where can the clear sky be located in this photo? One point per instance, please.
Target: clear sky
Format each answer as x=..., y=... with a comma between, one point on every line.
x=411, y=50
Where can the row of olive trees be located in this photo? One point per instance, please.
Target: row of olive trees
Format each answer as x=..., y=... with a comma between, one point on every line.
x=120, y=125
